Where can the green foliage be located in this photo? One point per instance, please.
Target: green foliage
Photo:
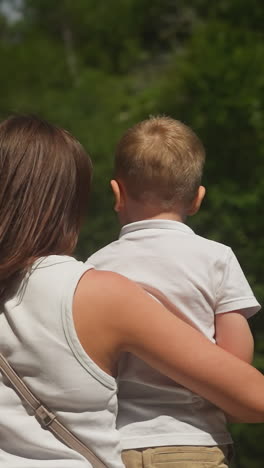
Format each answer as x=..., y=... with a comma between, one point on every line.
x=217, y=86
x=97, y=67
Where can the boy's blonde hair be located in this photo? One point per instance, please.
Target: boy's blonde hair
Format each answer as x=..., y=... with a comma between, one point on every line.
x=160, y=160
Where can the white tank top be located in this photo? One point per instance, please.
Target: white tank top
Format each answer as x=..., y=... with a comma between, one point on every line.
x=38, y=338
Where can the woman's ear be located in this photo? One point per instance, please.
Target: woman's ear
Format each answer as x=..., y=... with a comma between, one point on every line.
x=196, y=203
x=117, y=191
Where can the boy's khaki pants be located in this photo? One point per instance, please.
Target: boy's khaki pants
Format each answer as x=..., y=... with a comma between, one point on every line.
x=178, y=457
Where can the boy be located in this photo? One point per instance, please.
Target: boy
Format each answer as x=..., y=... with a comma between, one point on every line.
x=158, y=170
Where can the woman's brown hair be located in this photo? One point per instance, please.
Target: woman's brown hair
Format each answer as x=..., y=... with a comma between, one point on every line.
x=45, y=177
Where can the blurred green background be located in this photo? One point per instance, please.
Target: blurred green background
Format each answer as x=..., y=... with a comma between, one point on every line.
x=98, y=66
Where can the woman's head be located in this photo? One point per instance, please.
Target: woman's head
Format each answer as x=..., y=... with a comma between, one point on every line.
x=45, y=179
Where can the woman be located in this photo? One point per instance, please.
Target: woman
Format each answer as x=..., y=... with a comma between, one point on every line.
x=64, y=325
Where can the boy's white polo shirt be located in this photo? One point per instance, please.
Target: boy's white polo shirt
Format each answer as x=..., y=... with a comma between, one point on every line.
x=202, y=278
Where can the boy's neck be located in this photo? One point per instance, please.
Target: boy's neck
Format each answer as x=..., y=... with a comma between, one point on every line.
x=141, y=213
x=168, y=216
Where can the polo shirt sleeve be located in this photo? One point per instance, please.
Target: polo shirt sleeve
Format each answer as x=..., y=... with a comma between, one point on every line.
x=234, y=292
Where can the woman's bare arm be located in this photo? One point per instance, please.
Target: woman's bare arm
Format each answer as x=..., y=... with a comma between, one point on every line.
x=113, y=315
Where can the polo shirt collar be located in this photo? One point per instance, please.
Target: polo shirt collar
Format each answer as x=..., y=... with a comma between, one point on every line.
x=155, y=224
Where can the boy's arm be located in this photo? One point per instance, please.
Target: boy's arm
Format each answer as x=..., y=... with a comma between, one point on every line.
x=233, y=334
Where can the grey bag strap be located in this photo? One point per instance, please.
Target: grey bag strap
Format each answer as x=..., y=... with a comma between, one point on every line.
x=45, y=417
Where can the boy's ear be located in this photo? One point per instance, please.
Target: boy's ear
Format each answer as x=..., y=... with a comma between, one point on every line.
x=195, y=206
x=117, y=191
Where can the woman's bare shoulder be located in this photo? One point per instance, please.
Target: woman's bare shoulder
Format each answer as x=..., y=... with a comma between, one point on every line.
x=101, y=314
x=104, y=288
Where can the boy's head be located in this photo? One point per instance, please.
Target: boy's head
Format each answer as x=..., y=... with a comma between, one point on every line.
x=159, y=163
